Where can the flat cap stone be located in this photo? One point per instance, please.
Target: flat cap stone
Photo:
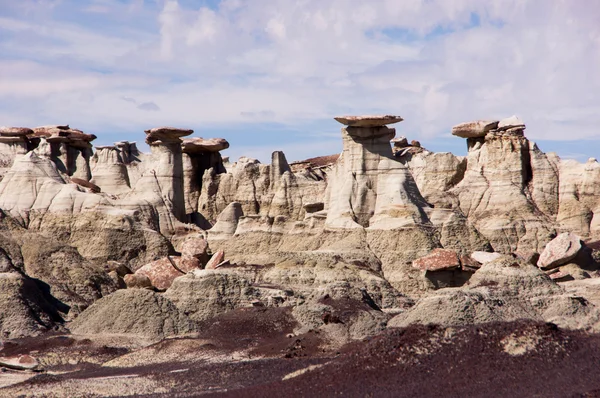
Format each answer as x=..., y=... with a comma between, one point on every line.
x=368, y=120
x=15, y=131
x=200, y=145
x=477, y=128
x=166, y=134
x=510, y=123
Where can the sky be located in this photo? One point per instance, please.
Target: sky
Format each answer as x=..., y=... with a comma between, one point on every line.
x=271, y=74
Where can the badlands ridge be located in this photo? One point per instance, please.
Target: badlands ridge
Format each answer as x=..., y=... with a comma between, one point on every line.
x=170, y=257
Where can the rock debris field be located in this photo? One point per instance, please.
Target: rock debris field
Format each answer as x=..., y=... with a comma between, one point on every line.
x=386, y=270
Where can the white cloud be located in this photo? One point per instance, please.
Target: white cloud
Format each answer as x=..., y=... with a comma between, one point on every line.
x=435, y=62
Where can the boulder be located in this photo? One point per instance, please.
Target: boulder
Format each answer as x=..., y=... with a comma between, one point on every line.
x=438, y=260
x=163, y=272
x=215, y=260
x=478, y=128
x=560, y=250
x=20, y=362
x=137, y=281
x=368, y=120
x=485, y=257
x=196, y=248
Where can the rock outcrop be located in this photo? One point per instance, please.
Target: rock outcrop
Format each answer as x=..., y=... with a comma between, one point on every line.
x=137, y=313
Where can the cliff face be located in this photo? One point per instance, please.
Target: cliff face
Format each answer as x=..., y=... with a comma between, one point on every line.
x=355, y=221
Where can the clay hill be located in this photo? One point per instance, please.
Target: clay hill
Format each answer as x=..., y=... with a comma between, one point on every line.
x=386, y=270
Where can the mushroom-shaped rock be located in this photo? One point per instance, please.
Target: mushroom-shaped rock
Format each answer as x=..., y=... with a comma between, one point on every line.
x=438, y=260
x=478, y=128
x=15, y=131
x=512, y=122
x=560, y=250
x=200, y=145
x=166, y=134
x=368, y=120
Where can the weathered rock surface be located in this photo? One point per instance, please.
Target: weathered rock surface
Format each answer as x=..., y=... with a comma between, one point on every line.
x=560, y=250
x=501, y=291
x=138, y=313
x=438, y=260
x=163, y=272
x=474, y=129
x=20, y=362
x=24, y=309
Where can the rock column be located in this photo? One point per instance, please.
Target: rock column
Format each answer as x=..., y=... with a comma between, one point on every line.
x=369, y=188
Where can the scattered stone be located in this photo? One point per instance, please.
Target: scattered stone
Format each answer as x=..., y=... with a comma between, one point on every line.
x=560, y=250
x=314, y=207
x=163, y=272
x=197, y=248
x=86, y=184
x=485, y=257
x=438, y=260
x=415, y=143
x=368, y=120
x=561, y=276
x=478, y=128
x=530, y=257
x=469, y=264
x=215, y=260
x=120, y=268
x=137, y=281
x=21, y=362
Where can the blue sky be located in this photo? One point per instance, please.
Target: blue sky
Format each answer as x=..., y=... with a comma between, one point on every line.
x=271, y=75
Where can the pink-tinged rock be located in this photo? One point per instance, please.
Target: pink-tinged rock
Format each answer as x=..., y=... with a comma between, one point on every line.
x=197, y=248
x=163, y=272
x=201, y=145
x=561, y=276
x=560, y=250
x=368, y=120
x=137, y=281
x=20, y=362
x=438, y=260
x=478, y=128
x=468, y=264
x=15, y=131
x=216, y=260
x=485, y=257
